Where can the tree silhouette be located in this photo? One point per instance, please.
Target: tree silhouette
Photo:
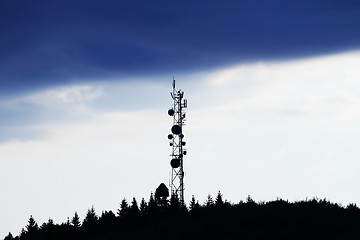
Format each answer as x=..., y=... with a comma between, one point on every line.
x=209, y=201
x=134, y=209
x=107, y=216
x=249, y=200
x=32, y=225
x=219, y=201
x=219, y=219
x=143, y=207
x=124, y=208
x=75, y=221
x=22, y=234
x=194, y=205
x=152, y=205
x=9, y=237
x=107, y=222
x=48, y=224
x=175, y=203
x=31, y=229
x=90, y=218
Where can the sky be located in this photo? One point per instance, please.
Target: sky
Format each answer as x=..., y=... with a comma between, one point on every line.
x=272, y=89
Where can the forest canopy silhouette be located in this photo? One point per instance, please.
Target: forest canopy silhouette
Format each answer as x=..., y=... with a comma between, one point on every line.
x=214, y=219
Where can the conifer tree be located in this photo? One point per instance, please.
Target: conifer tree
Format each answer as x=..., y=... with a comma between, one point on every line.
x=183, y=207
x=194, y=204
x=124, y=208
x=32, y=225
x=90, y=217
x=22, y=233
x=175, y=203
x=219, y=201
x=75, y=221
x=107, y=221
x=108, y=215
x=249, y=200
x=9, y=237
x=134, y=207
x=152, y=205
x=68, y=222
x=143, y=207
x=209, y=201
x=48, y=224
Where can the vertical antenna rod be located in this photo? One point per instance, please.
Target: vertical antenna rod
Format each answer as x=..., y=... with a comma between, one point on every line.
x=177, y=143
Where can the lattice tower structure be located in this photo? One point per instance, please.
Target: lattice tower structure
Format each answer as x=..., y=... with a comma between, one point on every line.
x=177, y=142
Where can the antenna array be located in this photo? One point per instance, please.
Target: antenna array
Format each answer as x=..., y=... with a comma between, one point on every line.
x=177, y=143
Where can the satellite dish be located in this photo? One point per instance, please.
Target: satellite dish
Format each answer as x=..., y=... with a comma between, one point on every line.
x=170, y=136
x=171, y=112
x=175, y=163
x=176, y=129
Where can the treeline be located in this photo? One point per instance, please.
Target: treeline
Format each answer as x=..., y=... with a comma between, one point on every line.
x=215, y=219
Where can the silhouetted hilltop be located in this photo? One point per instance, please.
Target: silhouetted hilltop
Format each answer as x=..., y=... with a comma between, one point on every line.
x=215, y=219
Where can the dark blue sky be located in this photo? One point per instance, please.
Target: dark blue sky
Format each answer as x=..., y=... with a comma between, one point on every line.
x=46, y=43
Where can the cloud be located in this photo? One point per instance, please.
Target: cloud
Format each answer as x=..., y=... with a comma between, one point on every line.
x=314, y=85
x=73, y=94
x=314, y=88
x=57, y=43
x=244, y=117
x=23, y=114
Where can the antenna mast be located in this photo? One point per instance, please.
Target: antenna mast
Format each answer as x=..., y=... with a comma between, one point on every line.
x=176, y=142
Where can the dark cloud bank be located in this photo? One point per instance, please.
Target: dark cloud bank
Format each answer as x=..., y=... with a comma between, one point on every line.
x=45, y=43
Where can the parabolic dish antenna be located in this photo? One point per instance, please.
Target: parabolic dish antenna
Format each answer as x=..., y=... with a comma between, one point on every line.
x=175, y=163
x=171, y=112
x=176, y=129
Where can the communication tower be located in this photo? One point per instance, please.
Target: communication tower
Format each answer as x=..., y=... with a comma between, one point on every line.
x=177, y=142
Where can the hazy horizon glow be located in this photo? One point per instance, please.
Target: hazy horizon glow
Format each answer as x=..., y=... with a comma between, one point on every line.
x=284, y=129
